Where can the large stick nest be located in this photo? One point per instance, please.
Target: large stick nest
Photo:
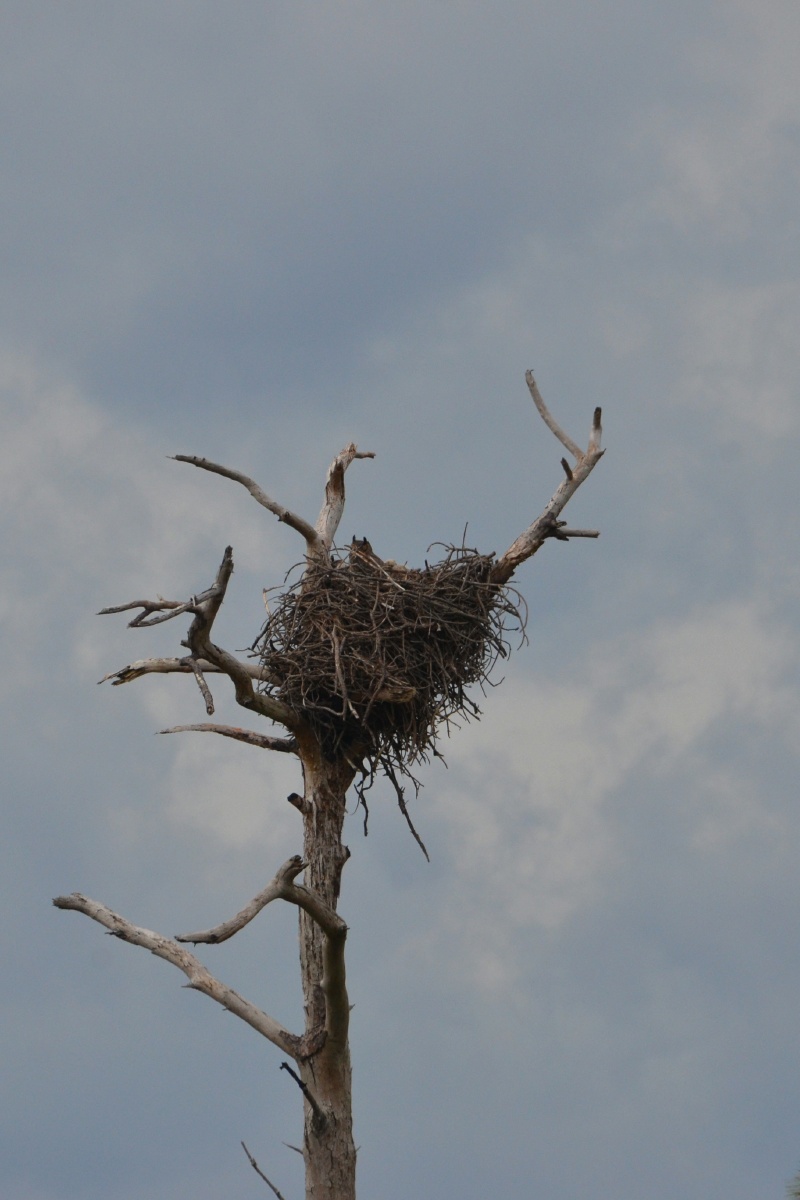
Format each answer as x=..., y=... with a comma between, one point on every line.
x=377, y=657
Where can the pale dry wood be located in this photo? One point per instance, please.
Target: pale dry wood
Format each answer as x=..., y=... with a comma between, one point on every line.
x=285, y=875
x=205, y=690
x=262, y=740
x=547, y=525
x=280, y=887
x=300, y=803
x=167, y=609
x=200, y=978
x=333, y=981
x=333, y=505
x=172, y=666
x=204, y=655
x=312, y=537
x=199, y=643
x=549, y=419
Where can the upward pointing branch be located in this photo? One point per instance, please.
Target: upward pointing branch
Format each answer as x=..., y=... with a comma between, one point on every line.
x=333, y=506
x=548, y=419
x=199, y=642
x=547, y=524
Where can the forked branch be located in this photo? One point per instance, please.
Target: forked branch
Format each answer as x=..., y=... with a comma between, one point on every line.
x=319, y=538
x=201, y=647
x=333, y=982
x=167, y=609
x=282, y=886
x=203, y=654
x=548, y=525
x=199, y=977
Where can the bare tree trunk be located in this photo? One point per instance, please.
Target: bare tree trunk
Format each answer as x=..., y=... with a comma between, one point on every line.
x=328, y=1147
x=321, y=1053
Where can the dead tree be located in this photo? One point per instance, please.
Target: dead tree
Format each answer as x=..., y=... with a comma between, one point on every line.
x=363, y=663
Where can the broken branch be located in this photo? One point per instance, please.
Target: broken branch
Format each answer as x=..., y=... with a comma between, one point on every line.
x=309, y=1095
x=333, y=505
x=200, y=979
x=205, y=691
x=169, y=666
x=204, y=655
x=597, y=431
x=547, y=525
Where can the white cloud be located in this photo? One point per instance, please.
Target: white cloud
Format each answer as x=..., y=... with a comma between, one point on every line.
x=94, y=515
x=530, y=812
x=234, y=795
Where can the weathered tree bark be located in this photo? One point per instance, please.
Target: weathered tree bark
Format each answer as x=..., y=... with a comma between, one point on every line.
x=328, y=1147
x=321, y=1053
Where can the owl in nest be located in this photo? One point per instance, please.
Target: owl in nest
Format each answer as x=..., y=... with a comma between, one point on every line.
x=361, y=548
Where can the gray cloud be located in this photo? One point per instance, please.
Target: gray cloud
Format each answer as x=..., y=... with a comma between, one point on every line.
x=256, y=233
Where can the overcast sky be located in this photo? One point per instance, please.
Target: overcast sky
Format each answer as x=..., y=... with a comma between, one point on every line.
x=254, y=231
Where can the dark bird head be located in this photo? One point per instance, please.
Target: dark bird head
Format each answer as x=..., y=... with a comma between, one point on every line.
x=361, y=546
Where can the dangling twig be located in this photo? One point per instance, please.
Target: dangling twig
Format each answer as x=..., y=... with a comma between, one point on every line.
x=401, y=802
x=205, y=691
